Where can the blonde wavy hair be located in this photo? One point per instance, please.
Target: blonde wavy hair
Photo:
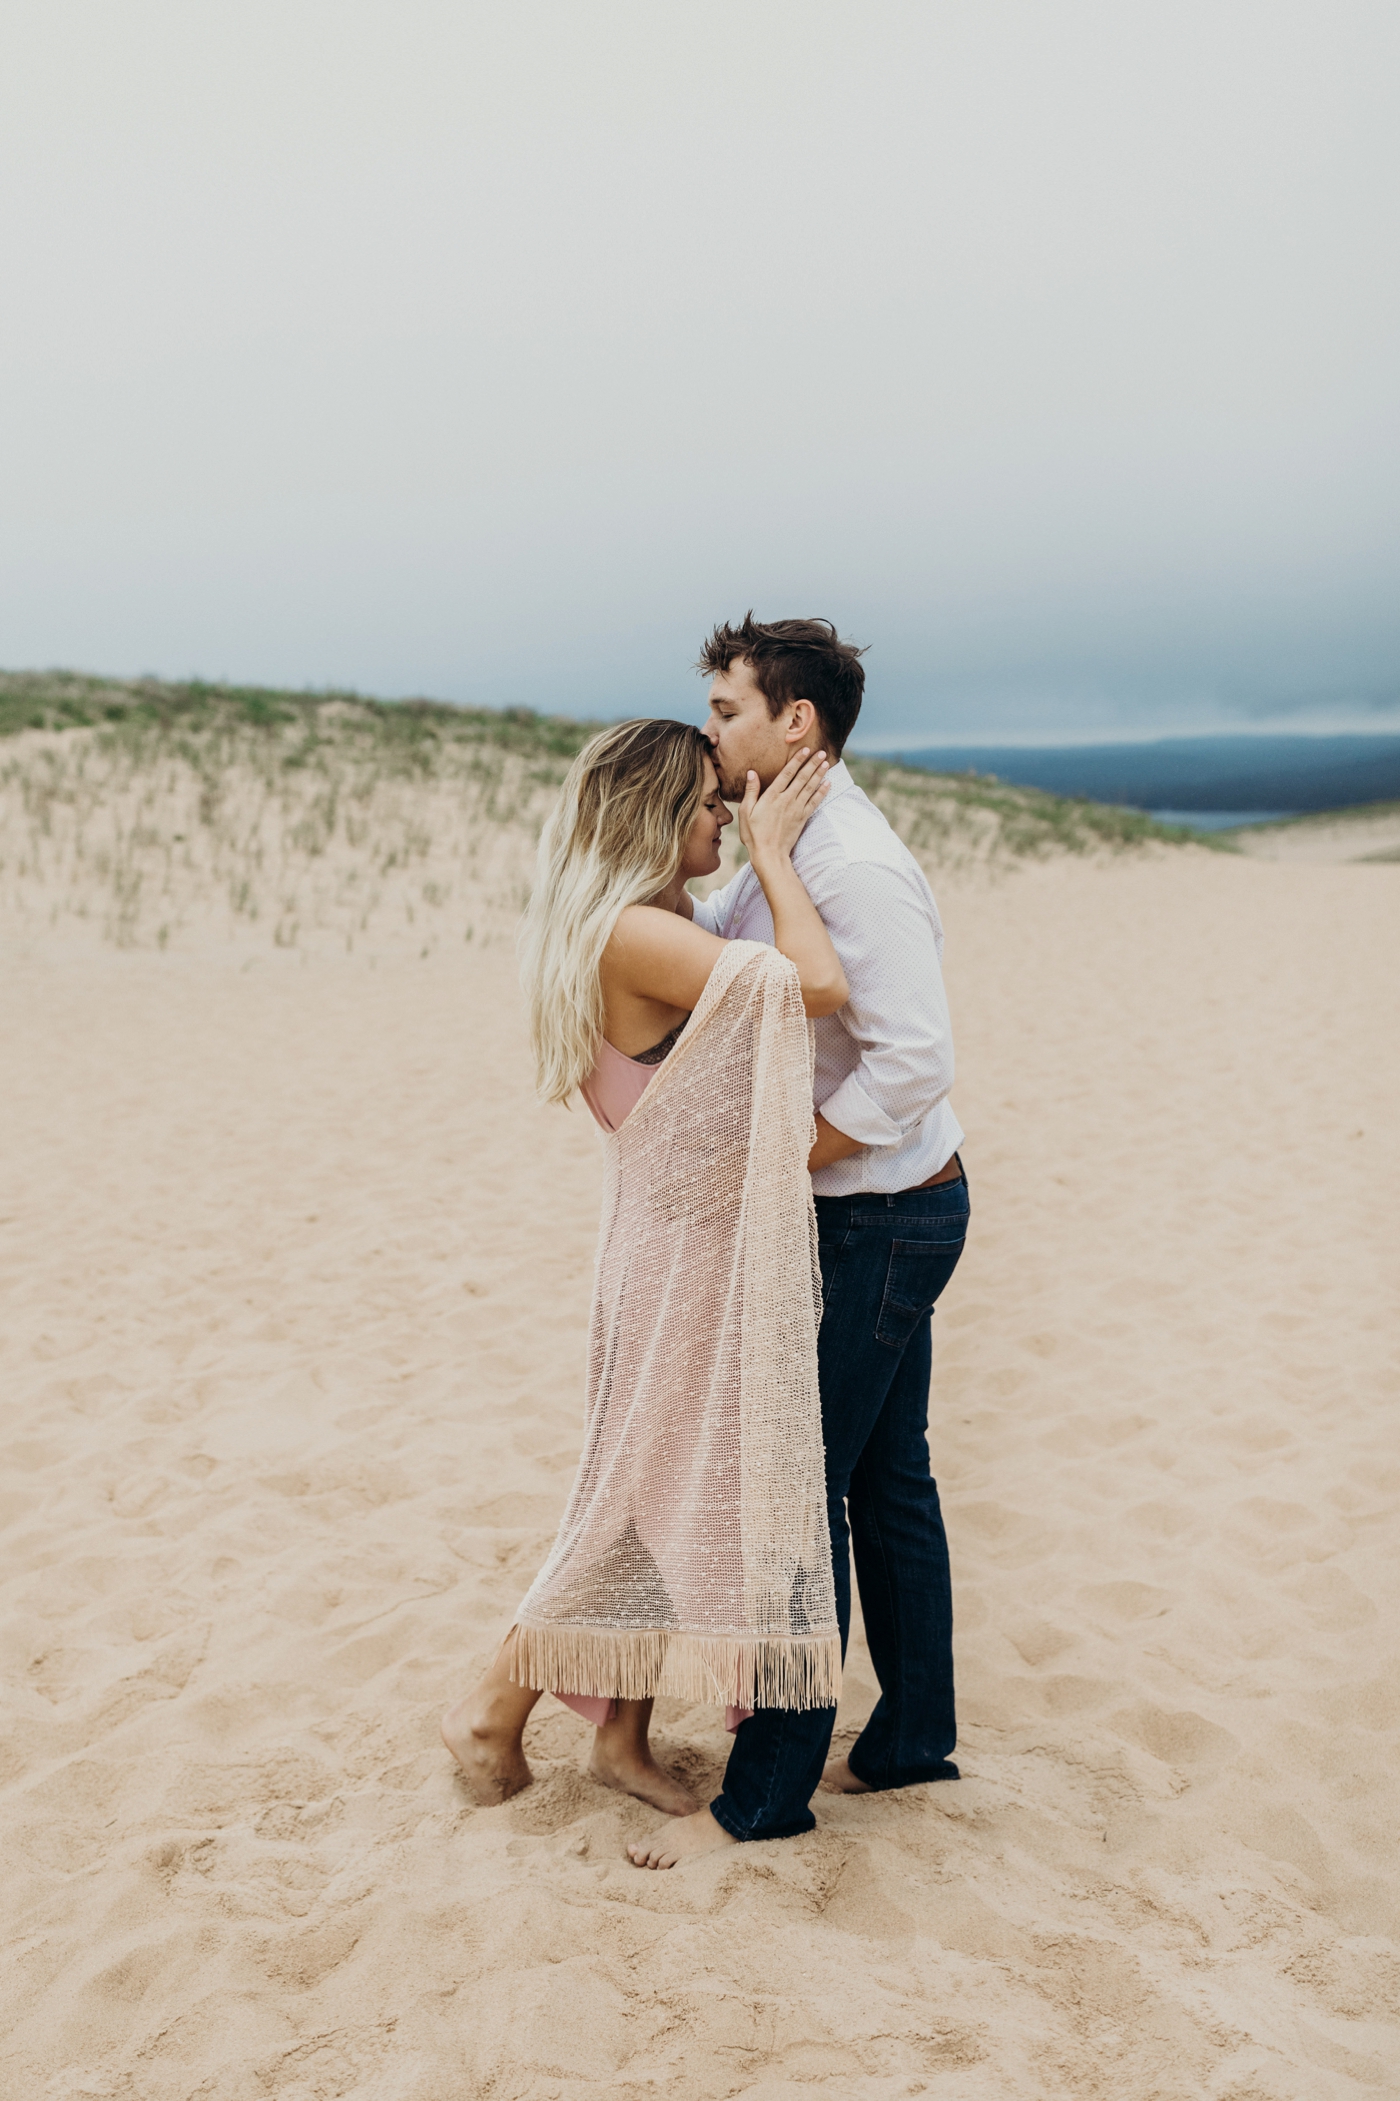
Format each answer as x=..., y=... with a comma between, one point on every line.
x=615, y=838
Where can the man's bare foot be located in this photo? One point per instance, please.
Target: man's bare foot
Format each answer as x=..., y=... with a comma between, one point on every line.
x=838, y=1779
x=636, y=1772
x=689, y=1835
x=486, y=1745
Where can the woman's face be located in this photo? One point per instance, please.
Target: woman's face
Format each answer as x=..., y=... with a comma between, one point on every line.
x=701, y=855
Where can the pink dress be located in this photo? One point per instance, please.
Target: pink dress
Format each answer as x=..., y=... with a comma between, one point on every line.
x=612, y=1090
x=615, y=1086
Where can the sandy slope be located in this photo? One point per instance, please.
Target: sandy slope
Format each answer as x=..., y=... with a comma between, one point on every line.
x=1368, y=834
x=297, y=1275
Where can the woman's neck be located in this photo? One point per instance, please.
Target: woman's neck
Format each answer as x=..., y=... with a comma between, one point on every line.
x=669, y=899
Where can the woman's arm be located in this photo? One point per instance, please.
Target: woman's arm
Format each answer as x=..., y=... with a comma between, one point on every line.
x=655, y=955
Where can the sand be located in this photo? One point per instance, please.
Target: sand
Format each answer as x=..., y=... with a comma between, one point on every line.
x=1371, y=833
x=297, y=1274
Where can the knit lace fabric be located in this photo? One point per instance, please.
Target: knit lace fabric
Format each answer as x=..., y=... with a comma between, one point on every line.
x=693, y=1558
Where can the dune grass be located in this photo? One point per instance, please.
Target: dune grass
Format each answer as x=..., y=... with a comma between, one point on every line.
x=404, y=730
x=142, y=806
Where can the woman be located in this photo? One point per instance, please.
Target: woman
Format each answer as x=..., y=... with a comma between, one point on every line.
x=693, y=1557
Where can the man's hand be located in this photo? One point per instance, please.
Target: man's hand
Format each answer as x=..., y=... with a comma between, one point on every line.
x=832, y=1145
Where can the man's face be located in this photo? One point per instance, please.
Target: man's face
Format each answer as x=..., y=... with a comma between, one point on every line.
x=743, y=734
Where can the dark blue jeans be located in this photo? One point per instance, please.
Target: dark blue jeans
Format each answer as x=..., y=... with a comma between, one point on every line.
x=885, y=1259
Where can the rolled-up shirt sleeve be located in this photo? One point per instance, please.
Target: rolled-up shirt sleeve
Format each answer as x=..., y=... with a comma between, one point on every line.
x=897, y=1014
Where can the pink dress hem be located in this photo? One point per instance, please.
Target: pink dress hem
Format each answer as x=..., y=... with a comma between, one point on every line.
x=599, y=1711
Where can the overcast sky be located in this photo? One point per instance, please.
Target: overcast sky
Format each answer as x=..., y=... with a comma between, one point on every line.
x=495, y=351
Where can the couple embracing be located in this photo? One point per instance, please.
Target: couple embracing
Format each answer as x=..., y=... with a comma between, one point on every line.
x=759, y=1361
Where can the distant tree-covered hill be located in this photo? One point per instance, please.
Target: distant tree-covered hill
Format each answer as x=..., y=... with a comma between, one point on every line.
x=1194, y=773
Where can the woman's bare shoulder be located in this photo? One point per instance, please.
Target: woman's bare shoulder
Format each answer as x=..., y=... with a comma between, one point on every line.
x=652, y=926
x=660, y=956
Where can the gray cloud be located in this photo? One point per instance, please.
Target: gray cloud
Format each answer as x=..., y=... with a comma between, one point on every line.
x=496, y=351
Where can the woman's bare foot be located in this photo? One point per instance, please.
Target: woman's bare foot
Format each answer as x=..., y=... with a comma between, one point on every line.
x=483, y=1733
x=683, y=1839
x=622, y=1759
x=487, y=1748
x=640, y=1776
x=838, y=1779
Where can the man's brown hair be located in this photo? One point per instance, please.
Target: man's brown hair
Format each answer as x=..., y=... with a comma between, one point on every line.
x=796, y=660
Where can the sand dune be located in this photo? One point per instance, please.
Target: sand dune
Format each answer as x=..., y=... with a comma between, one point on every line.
x=1371, y=833
x=297, y=1278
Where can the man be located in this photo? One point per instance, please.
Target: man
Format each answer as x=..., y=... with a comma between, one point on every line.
x=892, y=1211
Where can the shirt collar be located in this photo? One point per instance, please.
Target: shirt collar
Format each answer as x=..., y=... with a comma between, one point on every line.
x=839, y=783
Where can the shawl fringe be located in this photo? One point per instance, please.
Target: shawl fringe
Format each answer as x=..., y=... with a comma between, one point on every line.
x=638, y=1663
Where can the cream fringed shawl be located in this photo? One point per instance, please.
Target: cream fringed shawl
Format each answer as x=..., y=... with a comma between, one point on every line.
x=693, y=1558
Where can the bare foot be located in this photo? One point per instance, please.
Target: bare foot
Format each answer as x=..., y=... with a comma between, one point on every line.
x=486, y=1745
x=636, y=1772
x=838, y=1779
x=690, y=1835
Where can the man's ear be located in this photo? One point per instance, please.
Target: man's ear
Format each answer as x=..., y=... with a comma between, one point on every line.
x=801, y=723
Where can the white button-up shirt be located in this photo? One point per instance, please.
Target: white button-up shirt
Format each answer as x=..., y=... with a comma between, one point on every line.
x=885, y=1061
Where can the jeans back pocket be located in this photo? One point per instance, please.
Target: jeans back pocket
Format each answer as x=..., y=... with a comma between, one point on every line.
x=918, y=1270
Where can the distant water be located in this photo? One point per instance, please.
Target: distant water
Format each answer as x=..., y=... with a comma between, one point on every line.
x=1212, y=782
x=1219, y=820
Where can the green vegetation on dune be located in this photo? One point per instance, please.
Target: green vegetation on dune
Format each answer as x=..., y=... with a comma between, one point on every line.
x=949, y=817
x=60, y=700
x=146, y=808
